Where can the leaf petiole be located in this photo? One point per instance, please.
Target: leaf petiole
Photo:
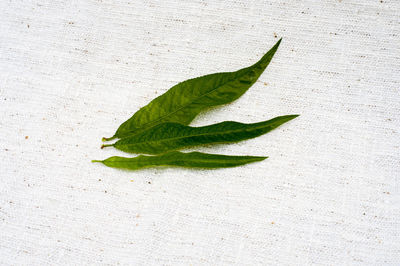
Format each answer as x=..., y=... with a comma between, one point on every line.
x=108, y=139
x=106, y=145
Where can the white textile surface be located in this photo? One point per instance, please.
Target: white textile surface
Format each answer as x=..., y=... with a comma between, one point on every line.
x=329, y=194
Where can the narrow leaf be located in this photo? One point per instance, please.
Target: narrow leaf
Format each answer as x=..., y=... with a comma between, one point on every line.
x=173, y=136
x=185, y=100
x=175, y=158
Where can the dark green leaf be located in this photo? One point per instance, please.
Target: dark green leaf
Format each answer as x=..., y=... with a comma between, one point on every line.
x=185, y=100
x=175, y=158
x=173, y=136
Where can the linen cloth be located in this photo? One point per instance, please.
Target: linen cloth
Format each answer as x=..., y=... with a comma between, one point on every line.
x=72, y=71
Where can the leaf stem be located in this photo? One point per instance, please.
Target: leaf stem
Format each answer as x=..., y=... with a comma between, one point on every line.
x=96, y=161
x=106, y=145
x=108, y=139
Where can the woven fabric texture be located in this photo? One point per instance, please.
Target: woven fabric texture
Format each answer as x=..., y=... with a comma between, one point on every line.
x=329, y=194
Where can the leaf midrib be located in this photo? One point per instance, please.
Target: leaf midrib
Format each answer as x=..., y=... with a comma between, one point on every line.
x=176, y=160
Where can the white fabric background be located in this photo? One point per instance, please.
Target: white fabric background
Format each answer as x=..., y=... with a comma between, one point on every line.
x=72, y=71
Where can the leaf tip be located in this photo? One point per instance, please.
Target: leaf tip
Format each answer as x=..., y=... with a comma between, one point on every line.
x=259, y=158
x=289, y=117
x=278, y=43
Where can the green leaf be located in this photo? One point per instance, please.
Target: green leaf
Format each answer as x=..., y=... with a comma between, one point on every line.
x=173, y=136
x=185, y=100
x=175, y=158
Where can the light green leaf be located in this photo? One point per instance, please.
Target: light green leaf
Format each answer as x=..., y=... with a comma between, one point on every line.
x=173, y=136
x=175, y=158
x=185, y=100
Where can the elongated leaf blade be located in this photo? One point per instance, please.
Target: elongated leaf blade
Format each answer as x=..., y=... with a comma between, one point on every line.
x=175, y=158
x=185, y=100
x=173, y=136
